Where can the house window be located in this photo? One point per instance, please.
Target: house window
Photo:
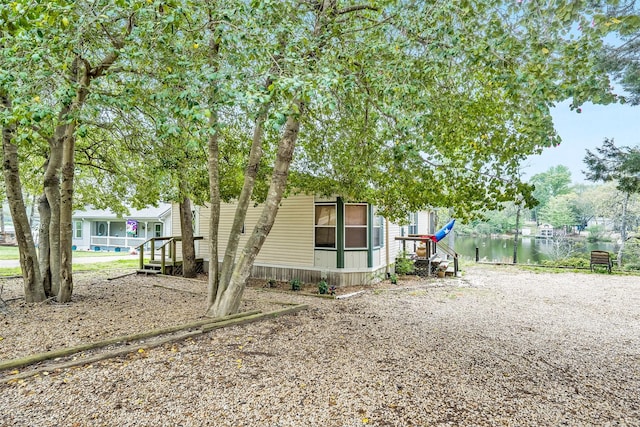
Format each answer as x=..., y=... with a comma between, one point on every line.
x=355, y=226
x=157, y=230
x=378, y=229
x=413, y=223
x=77, y=229
x=325, y=226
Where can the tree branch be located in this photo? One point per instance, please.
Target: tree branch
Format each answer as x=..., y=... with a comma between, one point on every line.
x=357, y=8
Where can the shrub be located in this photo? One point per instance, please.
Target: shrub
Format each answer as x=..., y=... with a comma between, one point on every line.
x=271, y=283
x=323, y=287
x=296, y=284
x=632, y=267
x=404, y=264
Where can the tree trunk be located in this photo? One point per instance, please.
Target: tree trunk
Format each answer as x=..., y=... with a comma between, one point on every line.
x=52, y=193
x=188, y=247
x=66, y=212
x=228, y=300
x=623, y=228
x=33, y=289
x=2, y=218
x=515, y=238
x=251, y=172
x=44, y=246
x=214, y=172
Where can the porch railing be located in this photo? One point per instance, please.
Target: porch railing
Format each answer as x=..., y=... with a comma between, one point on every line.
x=169, y=244
x=116, y=241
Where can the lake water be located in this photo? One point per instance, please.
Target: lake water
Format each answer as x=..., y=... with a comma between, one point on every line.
x=530, y=249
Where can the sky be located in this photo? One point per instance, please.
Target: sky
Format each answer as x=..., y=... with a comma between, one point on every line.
x=586, y=130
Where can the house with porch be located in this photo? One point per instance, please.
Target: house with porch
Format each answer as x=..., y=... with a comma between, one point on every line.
x=102, y=230
x=315, y=238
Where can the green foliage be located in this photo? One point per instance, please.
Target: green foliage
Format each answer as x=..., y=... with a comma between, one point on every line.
x=404, y=264
x=552, y=183
x=622, y=58
x=558, y=212
x=271, y=283
x=618, y=164
x=572, y=261
x=596, y=234
x=295, y=284
x=323, y=287
x=393, y=278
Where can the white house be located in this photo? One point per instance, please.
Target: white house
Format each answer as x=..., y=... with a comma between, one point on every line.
x=313, y=238
x=102, y=230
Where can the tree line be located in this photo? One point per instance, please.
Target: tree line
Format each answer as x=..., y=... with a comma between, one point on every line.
x=612, y=201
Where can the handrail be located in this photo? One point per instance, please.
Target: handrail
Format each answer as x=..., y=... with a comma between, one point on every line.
x=171, y=241
x=451, y=252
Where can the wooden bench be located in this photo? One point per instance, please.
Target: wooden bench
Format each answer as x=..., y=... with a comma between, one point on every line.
x=601, y=258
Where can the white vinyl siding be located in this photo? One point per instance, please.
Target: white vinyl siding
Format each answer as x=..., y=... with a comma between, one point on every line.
x=290, y=241
x=355, y=259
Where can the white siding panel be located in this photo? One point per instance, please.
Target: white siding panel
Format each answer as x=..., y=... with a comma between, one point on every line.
x=395, y=246
x=378, y=260
x=326, y=259
x=290, y=241
x=355, y=259
x=423, y=222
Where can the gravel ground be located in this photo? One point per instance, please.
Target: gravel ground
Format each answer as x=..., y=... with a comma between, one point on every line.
x=499, y=346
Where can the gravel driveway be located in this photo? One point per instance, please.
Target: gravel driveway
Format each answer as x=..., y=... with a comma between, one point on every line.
x=498, y=347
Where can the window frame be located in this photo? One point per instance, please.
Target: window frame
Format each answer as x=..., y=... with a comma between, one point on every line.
x=377, y=229
x=412, y=227
x=334, y=226
x=359, y=226
x=77, y=229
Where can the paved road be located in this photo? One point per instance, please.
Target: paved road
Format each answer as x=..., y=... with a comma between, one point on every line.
x=76, y=260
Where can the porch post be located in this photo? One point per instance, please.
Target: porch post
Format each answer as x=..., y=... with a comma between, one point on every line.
x=369, y=235
x=340, y=233
x=108, y=233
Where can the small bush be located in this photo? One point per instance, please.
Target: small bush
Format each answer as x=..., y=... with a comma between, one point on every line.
x=404, y=264
x=632, y=267
x=323, y=287
x=271, y=283
x=296, y=284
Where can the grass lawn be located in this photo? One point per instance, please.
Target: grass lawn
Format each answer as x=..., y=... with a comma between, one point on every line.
x=11, y=252
x=98, y=266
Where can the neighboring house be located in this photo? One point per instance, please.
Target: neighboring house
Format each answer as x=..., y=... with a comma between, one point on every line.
x=545, y=231
x=102, y=230
x=313, y=239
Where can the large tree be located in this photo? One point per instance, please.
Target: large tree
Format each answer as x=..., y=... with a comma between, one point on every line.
x=438, y=102
x=622, y=57
x=620, y=165
x=554, y=182
x=56, y=57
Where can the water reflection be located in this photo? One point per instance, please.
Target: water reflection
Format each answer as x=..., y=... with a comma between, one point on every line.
x=530, y=249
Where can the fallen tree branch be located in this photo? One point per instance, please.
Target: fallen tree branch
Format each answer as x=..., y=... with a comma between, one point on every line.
x=39, y=357
x=202, y=325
